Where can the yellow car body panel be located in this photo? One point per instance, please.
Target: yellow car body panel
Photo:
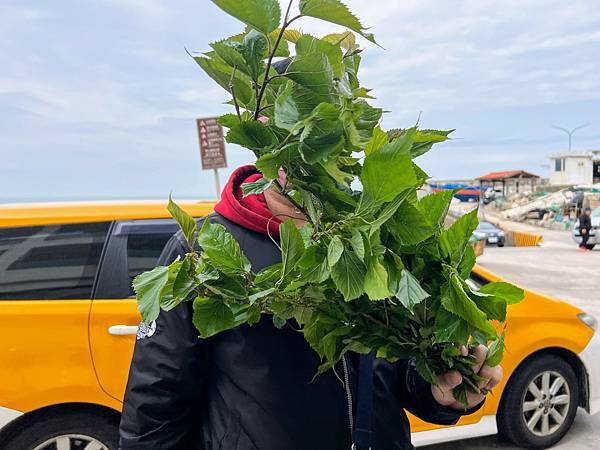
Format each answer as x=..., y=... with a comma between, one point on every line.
x=59, y=351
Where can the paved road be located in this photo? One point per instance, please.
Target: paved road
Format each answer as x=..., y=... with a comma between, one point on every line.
x=557, y=269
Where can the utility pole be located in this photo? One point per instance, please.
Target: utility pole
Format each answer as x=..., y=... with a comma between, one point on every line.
x=571, y=132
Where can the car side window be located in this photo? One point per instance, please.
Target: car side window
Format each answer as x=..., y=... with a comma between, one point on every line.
x=50, y=262
x=133, y=247
x=143, y=251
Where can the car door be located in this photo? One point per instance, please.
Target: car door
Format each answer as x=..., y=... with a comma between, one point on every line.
x=47, y=275
x=133, y=247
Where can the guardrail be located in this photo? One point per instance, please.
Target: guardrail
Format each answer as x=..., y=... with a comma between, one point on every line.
x=524, y=239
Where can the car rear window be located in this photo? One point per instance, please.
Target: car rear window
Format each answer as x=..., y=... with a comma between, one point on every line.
x=50, y=262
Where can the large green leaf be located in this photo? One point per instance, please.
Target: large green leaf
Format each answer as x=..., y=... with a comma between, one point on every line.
x=379, y=139
x=263, y=15
x=334, y=11
x=376, y=280
x=435, y=206
x=186, y=222
x=211, y=316
x=394, y=161
x=510, y=293
x=309, y=44
x=293, y=105
x=410, y=292
x=292, y=246
x=313, y=72
x=318, y=147
x=253, y=50
x=253, y=135
x=148, y=287
x=451, y=328
x=456, y=301
x=315, y=268
x=409, y=225
x=454, y=240
x=348, y=275
x=222, y=249
x=334, y=250
x=224, y=75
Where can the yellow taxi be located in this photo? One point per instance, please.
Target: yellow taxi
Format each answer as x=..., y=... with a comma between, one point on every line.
x=68, y=321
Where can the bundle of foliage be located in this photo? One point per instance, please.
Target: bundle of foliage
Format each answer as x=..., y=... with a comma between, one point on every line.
x=374, y=270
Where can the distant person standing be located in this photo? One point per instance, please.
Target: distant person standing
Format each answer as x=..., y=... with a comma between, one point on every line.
x=585, y=225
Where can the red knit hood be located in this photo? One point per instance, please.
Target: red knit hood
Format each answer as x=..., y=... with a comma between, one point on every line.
x=249, y=212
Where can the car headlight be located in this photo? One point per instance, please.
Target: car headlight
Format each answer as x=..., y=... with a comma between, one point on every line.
x=589, y=320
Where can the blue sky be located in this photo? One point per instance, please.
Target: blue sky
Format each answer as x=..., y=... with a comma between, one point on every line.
x=98, y=98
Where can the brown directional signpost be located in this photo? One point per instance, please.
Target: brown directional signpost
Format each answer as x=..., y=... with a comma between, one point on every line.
x=212, y=147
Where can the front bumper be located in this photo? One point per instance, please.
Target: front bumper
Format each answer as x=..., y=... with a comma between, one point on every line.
x=590, y=357
x=593, y=239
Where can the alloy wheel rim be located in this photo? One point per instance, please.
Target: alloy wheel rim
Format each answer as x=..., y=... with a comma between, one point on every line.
x=545, y=404
x=71, y=442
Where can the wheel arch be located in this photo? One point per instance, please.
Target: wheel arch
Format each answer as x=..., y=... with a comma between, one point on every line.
x=570, y=358
x=14, y=427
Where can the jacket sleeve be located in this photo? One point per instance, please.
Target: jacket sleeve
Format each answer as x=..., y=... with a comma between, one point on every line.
x=166, y=379
x=416, y=396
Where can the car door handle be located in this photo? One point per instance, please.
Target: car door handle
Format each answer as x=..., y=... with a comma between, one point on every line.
x=122, y=330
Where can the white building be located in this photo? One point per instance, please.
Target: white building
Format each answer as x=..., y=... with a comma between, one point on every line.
x=575, y=168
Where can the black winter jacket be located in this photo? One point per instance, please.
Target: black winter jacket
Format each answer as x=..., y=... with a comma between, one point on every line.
x=250, y=387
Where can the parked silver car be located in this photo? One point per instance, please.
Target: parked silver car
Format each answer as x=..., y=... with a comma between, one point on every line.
x=594, y=238
x=492, y=234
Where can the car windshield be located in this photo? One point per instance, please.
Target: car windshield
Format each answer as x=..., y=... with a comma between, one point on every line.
x=485, y=226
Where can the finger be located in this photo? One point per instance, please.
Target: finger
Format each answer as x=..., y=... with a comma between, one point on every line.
x=474, y=399
x=445, y=384
x=494, y=374
x=448, y=381
x=480, y=353
x=464, y=351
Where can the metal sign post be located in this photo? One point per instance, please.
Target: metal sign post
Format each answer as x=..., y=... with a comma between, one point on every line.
x=212, y=148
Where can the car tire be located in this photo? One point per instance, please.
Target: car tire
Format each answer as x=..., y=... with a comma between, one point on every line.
x=501, y=245
x=554, y=417
x=81, y=428
x=590, y=246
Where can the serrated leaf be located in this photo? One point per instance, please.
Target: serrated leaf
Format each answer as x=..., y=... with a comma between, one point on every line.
x=456, y=301
x=394, y=161
x=357, y=243
x=348, y=275
x=292, y=246
x=148, y=287
x=507, y=292
x=435, y=206
x=222, y=249
x=292, y=35
x=313, y=72
x=226, y=78
x=186, y=222
x=263, y=15
x=454, y=240
x=495, y=352
x=451, y=328
x=410, y=292
x=293, y=105
x=254, y=48
x=256, y=187
x=212, y=316
x=334, y=250
x=334, y=11
x=269, y=274
x=409, y=225
x=347, y=39
x=185, y=281
x=376, y=280
x=388, y=211
x=315, y=268
x=379, y=139
x=260, y=294
x=309, y=44
x=253, y=135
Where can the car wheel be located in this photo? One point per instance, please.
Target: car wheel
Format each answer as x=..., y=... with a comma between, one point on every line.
x=539, y=404
x=70, y=431
x=501, y=244
x=590, y=246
